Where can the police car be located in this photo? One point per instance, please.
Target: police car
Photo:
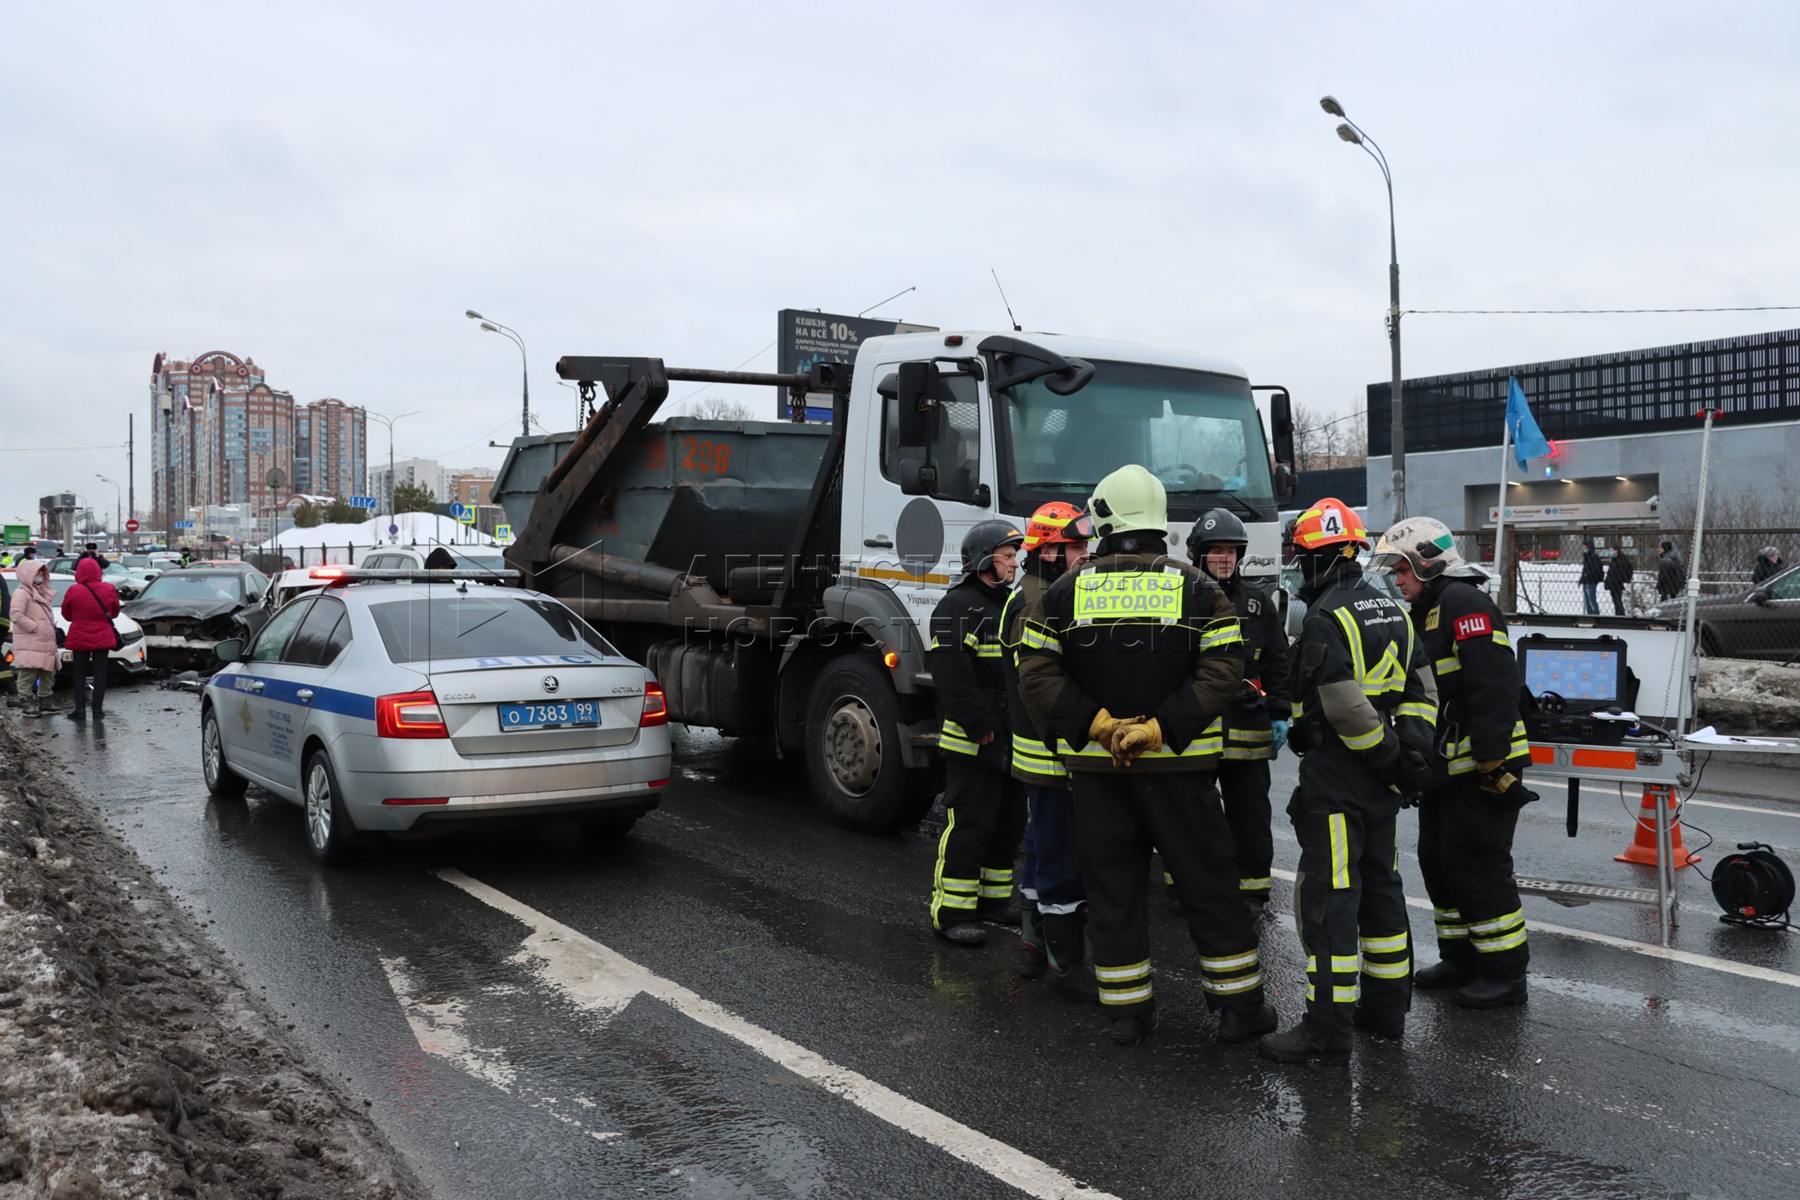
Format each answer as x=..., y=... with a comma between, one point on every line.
x=399, y=701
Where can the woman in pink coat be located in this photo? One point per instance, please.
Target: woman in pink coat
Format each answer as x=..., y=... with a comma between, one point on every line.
x=34, y=637
x=89, y=607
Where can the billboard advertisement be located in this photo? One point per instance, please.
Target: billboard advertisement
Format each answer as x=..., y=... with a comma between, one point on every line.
x=806, y=336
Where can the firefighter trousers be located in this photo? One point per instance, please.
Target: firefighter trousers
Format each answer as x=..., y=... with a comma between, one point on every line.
x=1119, y=817
x=1244, y=786
x=1049, y=877
x=984, y=822
x=1350, y=908
x=1465, y=855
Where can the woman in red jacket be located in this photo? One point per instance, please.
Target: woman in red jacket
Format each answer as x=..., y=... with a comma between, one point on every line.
x=89, y=607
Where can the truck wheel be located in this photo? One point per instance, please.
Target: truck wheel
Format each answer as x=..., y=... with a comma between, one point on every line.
x=853, y=747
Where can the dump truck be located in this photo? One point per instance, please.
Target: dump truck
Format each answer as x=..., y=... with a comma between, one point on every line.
x=778, y=577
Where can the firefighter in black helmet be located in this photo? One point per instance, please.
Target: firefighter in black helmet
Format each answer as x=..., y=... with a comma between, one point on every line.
x=1130, y=662
x=1367, y=709
x=1256, y=724
x=985, y=817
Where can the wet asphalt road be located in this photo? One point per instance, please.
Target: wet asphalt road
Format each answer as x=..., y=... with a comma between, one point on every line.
x=500, y=1068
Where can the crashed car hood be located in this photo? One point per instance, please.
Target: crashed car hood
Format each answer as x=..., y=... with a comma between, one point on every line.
x=193, y=610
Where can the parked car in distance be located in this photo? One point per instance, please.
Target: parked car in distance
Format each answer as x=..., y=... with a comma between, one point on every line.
x=186, y=612
x=269, y=562
x=398, y=706
x=128, y=583
x=1760, y=622
x=412, y=558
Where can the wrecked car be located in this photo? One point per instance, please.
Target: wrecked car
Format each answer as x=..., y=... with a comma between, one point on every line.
x=185, y=613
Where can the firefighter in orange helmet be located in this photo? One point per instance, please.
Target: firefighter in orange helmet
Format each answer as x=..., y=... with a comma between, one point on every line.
x=1053, y=903
x=1366, y=705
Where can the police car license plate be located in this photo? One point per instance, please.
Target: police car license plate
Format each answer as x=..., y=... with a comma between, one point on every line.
x=564, y=714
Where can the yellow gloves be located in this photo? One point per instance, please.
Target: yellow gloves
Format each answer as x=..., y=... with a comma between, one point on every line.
x=1134, y=738
x=1102, y=729
x=1494, y=778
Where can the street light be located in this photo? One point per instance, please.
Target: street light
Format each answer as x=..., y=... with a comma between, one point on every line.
x=393, y=517
x=118, y=502
x=524, y=363
x=1353, y=133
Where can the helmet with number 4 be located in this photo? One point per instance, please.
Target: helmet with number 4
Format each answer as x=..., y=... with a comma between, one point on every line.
x=1330, y=522
x=1428, y=545
x=1058, y=523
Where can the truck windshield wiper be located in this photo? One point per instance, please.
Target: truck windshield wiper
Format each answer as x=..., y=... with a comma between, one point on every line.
x=1231, y=499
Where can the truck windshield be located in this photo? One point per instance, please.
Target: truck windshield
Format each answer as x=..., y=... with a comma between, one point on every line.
x=1197, y=432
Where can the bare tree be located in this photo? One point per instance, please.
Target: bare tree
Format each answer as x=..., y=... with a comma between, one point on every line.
x=1325, y=440
x=719, y=408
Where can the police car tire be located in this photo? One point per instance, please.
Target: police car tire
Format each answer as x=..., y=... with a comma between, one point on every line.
x=221, y=780
x=340, y=836
x=605, y=828
x=890, y=802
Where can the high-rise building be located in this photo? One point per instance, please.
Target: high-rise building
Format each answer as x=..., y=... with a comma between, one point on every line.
x=331, y=448
x=220, y=435
x=421, y=472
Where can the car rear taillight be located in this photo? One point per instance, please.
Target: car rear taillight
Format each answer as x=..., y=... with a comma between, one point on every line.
x=656, y=707
x=409, y=715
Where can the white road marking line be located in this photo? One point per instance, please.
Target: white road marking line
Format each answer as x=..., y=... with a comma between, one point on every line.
x=437, y=1029
x=1766, y=812
x=1648, y=949
x=596, y=977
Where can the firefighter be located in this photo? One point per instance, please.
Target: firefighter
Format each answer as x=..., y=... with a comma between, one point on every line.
x=1131, y=662
x=985, y=807
x=1052, y=900
x=1467, y=820
x=1256, y=726
x=1368, y=705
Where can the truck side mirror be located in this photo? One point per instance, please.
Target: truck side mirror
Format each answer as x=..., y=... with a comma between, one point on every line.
x=918, y=477
x=918, y=405
x=1281, y=421
x=1286, y=483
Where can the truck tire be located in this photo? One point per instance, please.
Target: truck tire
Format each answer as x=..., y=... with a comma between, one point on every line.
x=853, y=748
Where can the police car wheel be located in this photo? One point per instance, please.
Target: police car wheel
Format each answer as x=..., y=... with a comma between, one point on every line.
x=853, y=747
x=329, y=834
x=221, y=780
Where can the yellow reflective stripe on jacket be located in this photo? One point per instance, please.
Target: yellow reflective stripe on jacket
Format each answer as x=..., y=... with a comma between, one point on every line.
x=1340, y=851
x=1418, y=708
x=1462, y=753
x=1222, y=632
x=954, y=739
x=1365, y=741
x=1039, y=638
x=1388, y=673
x=1034, y=758
x=1444, y=666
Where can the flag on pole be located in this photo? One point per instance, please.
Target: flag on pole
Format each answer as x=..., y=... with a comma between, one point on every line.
x=1527, y=439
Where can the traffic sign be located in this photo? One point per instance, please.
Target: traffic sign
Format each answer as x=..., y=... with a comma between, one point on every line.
x=468, y=517
x=393, y=529
x=362, y=502
x=457, y=511
x=184, y=524
x=503, y=533
x=131, y=526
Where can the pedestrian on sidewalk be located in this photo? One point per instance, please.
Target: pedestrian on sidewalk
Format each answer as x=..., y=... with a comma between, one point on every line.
x=1592, y=572
x=90, y=607
x=1671, y=573
x=1768, y=563
x=34, y=637
x=1618, y=578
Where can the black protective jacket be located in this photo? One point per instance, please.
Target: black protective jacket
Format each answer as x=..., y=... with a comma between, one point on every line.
x=1268, y=668
x=1033, y=760
x=1671, y=576
x=1140, y=635
x=1477, y=679
x=968, y=674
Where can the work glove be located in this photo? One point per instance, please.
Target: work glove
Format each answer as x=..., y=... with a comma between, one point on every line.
x=1496, y=780
x=1381, y=759
x=1250, y=697
x=1278, y=731
x=1133, y=738
x=1412, y=772
x=1103, y=727
x=1298, y=736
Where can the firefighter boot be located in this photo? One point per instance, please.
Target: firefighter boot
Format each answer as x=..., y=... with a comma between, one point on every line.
x=1382, y=1025
x=1491, y=993
x=1031, y=963
x=1130, y=1030
x=963, y=933
x=1069, y=974
x=1242, y=1022
x=1446, y=973
x=1298, y=1046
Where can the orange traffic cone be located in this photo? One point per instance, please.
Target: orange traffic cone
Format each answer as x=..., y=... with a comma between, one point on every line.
x=1643, y=845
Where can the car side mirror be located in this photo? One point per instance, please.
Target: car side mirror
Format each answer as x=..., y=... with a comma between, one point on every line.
x=1759, y=596
x=229, y=651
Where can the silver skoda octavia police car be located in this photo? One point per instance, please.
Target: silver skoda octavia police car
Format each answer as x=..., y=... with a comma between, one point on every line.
x=411, y=700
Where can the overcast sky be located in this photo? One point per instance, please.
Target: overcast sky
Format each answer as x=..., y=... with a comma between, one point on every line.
x=326, y=188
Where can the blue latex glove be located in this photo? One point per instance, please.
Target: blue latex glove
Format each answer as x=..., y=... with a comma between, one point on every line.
x=1278, y=734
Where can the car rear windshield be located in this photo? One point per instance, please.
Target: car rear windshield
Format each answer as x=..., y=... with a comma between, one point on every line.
x=468, y=625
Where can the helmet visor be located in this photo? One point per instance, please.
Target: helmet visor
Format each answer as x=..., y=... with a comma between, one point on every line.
x=1080, y=529
x=1383, y=563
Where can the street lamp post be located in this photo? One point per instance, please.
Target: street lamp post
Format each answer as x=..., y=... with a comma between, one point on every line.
x=525, y=365
x=118, y=503
x=393, y=517
x=1353, y=133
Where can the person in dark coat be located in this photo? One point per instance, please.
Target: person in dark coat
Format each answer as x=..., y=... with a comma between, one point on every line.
x=1618, y=576
x=440, y=559
x=90, y=607
x=1592, y=572
x=1671, y=574
x=1768, y=563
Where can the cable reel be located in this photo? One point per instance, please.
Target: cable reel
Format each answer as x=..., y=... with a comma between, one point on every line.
x=1754, y=887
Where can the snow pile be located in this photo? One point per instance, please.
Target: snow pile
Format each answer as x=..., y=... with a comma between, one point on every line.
x=416, y=529
x=1748, y=698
